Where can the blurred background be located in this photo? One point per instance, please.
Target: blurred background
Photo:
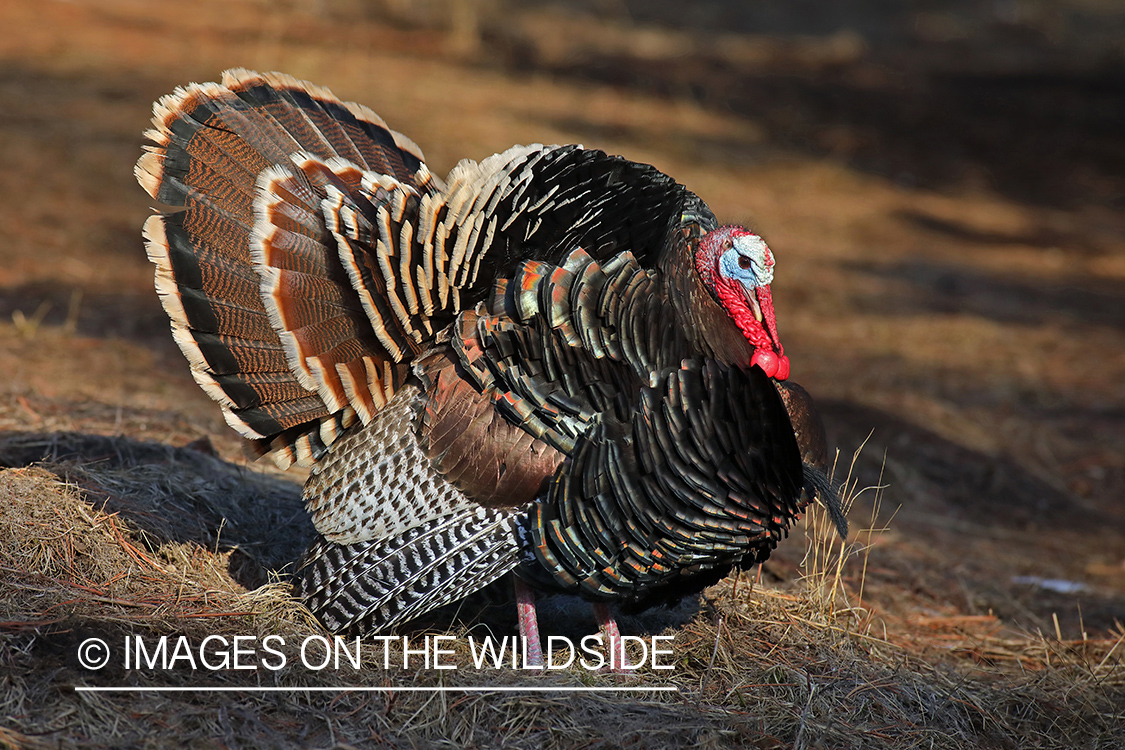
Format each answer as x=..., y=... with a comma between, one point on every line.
x=942, y=181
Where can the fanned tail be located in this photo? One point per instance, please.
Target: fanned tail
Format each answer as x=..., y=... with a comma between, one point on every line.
x=247, y=270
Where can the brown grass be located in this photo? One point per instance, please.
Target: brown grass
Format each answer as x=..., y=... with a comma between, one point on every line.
x=801, y=664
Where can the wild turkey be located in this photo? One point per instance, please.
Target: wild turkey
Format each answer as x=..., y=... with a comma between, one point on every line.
x=555, y=363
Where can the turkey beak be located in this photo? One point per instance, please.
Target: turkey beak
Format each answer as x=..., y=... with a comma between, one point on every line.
x=752, y=299
x=764, y=308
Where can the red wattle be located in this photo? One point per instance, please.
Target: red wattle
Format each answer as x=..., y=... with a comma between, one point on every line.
x=782, y=368
x=762, y=334
x=768, y=361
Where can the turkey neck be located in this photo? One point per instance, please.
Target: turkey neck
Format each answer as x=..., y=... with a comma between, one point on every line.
x=708, y=326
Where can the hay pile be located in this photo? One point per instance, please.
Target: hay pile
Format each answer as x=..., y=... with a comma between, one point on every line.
x=112, y=538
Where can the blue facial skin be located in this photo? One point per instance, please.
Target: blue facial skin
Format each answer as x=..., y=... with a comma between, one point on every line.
x=758, y=274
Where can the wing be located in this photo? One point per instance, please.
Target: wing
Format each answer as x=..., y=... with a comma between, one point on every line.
x=377, y=584
x=398, y=536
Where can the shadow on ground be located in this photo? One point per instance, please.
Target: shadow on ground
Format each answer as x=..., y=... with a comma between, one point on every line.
x=178, y=495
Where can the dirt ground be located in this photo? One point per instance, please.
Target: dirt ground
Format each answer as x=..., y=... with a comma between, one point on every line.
x=945, y=195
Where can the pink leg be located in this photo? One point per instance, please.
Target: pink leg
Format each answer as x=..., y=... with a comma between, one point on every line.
x=529, y=623
x=616, y=646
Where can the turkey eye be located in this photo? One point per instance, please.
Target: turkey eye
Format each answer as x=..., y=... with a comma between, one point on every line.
x=743, y=262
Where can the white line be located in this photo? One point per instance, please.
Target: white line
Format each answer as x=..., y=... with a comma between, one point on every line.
x=366, y=689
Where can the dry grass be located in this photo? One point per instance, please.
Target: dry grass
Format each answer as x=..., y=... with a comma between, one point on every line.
x=800, y=664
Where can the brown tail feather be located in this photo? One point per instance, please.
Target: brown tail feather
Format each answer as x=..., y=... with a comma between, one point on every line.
x=211, y=144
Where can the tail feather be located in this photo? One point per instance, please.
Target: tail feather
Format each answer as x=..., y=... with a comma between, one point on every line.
x=313, y=304
x=211, y=145
x=312, y=114
x=306, y=443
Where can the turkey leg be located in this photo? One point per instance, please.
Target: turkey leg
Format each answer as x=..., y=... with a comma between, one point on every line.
x=529, y=624
x=616, y=646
